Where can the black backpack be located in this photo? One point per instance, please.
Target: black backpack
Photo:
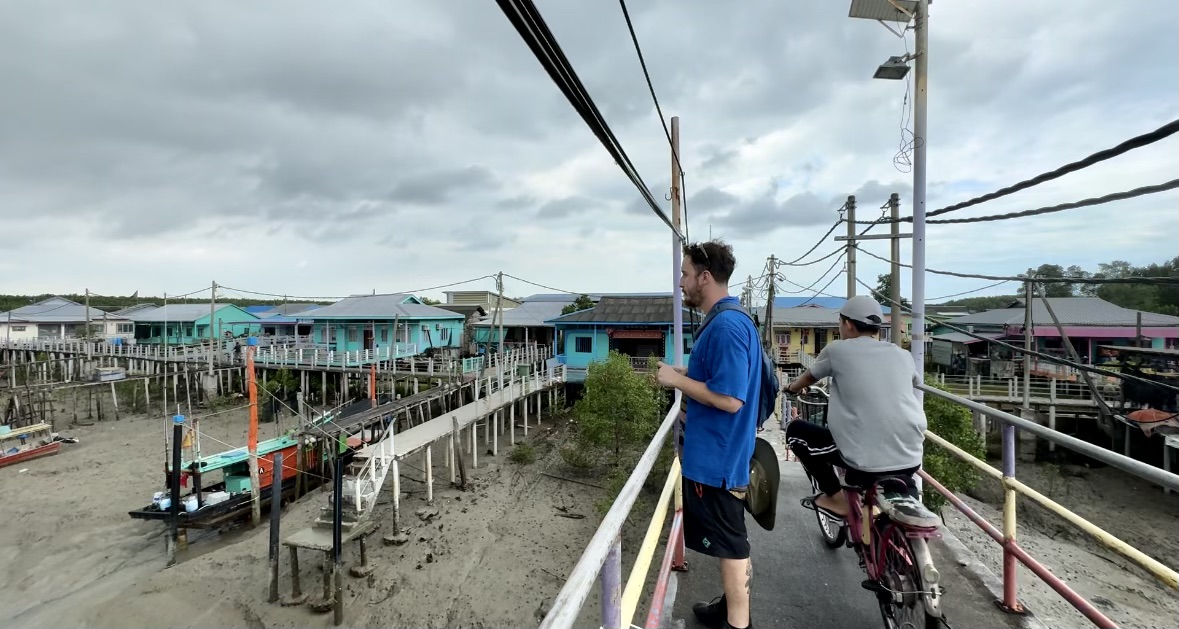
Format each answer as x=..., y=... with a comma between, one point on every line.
x=768, y=398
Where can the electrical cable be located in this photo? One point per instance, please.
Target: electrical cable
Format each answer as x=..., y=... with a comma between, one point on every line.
x=1150, y=281
x=535, y=32
x=817, y=260
x=559, y=290
x=977, y=290
x=659, y=110
x=1116, y=196
x=820, y=241
x=1100, y=156
x=816, y=282
x=324, y=298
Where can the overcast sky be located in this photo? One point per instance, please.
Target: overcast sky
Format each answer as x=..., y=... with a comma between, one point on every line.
x=316, y=148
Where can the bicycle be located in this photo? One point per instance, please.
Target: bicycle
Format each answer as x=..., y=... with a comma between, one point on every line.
x=895, y=556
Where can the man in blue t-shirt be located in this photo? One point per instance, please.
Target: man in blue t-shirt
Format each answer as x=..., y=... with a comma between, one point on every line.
x=721, y=385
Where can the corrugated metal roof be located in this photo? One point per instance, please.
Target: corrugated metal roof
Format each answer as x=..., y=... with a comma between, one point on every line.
x=135, y=308
x=529, y=315
x=638, y=310
x=806, y=316
x=57, y=310
x=467, y=310
x=1072, y=311
x=958, y=337
x=380, y=307
x=175, y=313
x=820, y=301
x=287, y=310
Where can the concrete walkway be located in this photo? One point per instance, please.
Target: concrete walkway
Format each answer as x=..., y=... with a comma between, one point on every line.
x=799, y=583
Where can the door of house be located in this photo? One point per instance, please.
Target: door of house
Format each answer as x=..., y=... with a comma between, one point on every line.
x=368, y=338
x=820, y=340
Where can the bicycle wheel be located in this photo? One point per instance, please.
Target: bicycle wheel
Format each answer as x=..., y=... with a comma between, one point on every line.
x=834, y=531
x=902, y=605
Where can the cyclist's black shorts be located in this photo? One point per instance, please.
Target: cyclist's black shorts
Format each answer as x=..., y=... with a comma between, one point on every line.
x=714, y=521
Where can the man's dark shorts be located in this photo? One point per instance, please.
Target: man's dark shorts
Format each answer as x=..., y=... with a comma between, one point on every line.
x=714, y=521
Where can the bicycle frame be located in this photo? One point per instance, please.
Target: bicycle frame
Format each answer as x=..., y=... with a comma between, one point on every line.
x=874, y=536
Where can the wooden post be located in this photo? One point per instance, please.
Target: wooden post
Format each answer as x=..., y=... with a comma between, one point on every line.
x=430, y=474
x=275, y=512
x=457, y=453
x=174, y=486
x=114, y=401
x=252, y=438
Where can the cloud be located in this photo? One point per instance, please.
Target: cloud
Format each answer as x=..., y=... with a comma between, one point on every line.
x=422, y=143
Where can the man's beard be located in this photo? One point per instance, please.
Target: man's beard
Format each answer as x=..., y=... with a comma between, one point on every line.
x=691, y=300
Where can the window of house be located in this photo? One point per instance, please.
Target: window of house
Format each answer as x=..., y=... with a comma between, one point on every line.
x=783, y=338
x=583, y=344
x=18, y=328
x=126, y=328
x=353, y=334
x=805, y=336
x=444, y=336
x=384, y=335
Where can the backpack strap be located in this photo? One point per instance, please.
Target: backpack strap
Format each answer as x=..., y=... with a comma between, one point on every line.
x=719, y=308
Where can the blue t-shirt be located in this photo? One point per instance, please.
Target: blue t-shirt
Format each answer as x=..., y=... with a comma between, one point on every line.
x=718, y=445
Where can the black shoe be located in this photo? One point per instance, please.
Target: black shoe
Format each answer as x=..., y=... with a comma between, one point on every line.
x=714, y=615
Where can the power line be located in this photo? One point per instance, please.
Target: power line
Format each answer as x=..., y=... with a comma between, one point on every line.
x=817, y=260
x=535, y=32
x=1153, y=281
x=1020, y=350
x=1117, y=196
x=968, y=292
x=820, y=241
x=821, y=290
x=559, y=290
x=1100, y=156
x=816, y=282
x=658, y=109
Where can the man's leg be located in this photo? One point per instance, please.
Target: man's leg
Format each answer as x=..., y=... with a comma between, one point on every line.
x=815, y=448
x=737, y=576
x=714, y=525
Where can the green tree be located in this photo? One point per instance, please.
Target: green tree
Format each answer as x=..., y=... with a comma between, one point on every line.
x=951, y=422
x=883, y=292
x=620, y=409
x=1054, y=289
x=429, y=301
x=583, y=302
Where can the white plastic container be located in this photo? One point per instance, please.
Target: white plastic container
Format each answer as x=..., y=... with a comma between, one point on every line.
x=190, y=504
x=165, y=503
x=216, y=497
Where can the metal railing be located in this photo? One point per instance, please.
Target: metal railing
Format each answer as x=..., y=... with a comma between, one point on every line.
x=1012, y=552
x=602, y=559
x=1052, y=389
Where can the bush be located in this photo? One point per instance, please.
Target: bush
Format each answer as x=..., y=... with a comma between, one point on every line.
x=620, y=409
x=522, y=454
x=951, y=422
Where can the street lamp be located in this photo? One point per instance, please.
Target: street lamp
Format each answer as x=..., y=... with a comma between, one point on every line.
x=894, y=69
x=901, y=12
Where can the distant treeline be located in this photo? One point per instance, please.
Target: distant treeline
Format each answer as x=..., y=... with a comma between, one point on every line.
x=1148, y=298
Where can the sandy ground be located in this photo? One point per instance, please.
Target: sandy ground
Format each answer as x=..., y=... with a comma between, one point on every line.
x=1131, y=509
x=495, y=554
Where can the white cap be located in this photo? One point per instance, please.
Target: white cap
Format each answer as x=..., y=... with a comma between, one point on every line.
x=864, y=309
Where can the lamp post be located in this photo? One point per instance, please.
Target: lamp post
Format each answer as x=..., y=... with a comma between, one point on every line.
x=896, y=68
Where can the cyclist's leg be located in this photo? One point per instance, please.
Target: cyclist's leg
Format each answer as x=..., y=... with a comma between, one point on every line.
x=815, y=448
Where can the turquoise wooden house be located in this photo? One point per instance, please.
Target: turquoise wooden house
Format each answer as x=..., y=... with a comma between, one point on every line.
x=187, y=324
x=638, y=327
x=385, y=322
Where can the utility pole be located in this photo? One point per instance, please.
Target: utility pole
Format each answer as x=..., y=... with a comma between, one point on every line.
x=499, y=310
x=920, y=144
x=89, y=345
x=1027, y=343
x=898, y=317
x=212, y=340
x=851, y=246
x=772, y=273
x=677, y=299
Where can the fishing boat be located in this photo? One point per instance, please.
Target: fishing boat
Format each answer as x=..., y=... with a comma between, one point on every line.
x=28, y=443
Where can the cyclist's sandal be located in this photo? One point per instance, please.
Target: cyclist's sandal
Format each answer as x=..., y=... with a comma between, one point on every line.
x=809, y=503
x=905, y=509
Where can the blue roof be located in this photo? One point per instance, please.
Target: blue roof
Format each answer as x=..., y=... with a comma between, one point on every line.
x=258, y=309
x=835, y=303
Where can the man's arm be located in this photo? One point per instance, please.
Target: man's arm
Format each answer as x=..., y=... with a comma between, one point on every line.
x=669, y=377
x=801, y=382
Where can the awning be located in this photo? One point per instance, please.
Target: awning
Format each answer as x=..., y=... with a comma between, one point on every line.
x=635, y=334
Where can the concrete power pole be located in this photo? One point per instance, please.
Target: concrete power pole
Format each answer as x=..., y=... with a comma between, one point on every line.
x=499, y=310
x=898, y=318
x=771, y=276
x=851, y=246
x=677, y=247
x=920, y=145
x=89, y=345
x=212, y=315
